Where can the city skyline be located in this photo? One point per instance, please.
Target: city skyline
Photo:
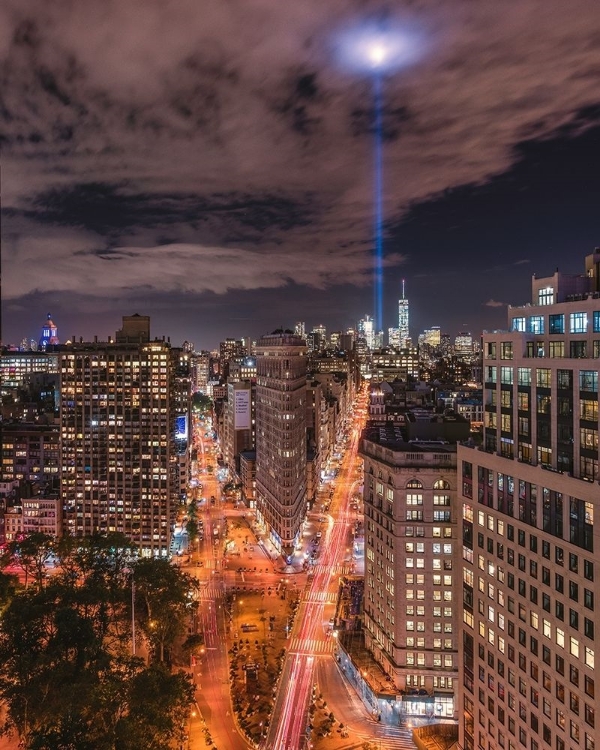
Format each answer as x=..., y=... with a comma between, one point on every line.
x=214, y=171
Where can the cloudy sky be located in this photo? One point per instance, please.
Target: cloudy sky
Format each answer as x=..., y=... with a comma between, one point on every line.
x=210, y=162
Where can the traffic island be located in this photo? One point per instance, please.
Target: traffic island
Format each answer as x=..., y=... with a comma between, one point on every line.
x=258, y=635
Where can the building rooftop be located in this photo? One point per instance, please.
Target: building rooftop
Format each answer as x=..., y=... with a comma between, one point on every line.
x=392, y=436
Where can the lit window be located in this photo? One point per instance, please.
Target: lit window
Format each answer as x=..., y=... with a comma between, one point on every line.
x=546, y=296
x=578, y=322
x=536, y=324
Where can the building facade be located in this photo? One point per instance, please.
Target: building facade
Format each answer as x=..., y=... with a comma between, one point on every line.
x=528, y=502
x=119, y=458
x=281, y=437
x=410, y=598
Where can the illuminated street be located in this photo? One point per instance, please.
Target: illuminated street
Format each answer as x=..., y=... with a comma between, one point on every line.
x=248, y=567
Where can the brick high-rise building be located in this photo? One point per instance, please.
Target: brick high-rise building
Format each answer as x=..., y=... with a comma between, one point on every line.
x=281, y=437
x=528, y=500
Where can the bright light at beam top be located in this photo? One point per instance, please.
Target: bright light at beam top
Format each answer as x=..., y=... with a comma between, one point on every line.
x=377, y=53
x=372, y=49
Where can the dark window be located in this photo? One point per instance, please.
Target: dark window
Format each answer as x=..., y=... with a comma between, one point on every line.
x=546, y=575
x=546, y=602
x=573, y=619
x=588, y=599
x=559, y=583
x=589, y=715
x=573, y=563
x=559, y=609
x=589, y=687
x=533, y=543
x=588, y=628
x=546, y=656
x=546, y=550
x=574, y=675
x=573, y=591
x=588, y=570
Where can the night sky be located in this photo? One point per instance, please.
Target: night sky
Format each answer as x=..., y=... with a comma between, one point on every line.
x=210, y=162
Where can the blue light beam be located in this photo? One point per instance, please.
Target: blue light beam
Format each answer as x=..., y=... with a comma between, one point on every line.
x=378, y=200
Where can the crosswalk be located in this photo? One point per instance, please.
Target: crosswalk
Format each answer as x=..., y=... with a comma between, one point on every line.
x=344, y=568
x=399, y=740
x=209, y=592
x=321, y=596
x=311, y=646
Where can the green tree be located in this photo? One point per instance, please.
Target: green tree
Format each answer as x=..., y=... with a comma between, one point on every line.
x=31, y=553
x=192, y=531
x=8, y=587
x=67, y=676
x=164, y=595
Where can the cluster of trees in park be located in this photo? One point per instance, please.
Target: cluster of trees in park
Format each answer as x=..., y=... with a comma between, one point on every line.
x=72, y=674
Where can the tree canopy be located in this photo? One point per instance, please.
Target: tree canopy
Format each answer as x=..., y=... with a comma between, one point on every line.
x=67, y=673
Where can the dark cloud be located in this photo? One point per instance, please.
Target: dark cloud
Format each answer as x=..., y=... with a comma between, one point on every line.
x=113, y=210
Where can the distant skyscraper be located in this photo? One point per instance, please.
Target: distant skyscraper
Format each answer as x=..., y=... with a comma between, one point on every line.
x=365, y=329
x=49, y=333
x=300, y=329
x=404, y=333
x=394, y=337
x=463, y=344
x=281, y=365
x=432, y=336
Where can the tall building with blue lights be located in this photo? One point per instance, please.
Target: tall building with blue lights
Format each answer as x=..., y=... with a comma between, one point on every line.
x=49, y=334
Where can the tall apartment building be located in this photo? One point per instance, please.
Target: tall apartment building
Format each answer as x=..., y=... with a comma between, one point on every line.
x=411, y=586
x=528, y=500
x=281, y=437
x=119, y=462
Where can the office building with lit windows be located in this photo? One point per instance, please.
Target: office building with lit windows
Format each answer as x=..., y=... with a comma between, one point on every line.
x=281, y=437
x=410, y=596
x=403, y=326
x=528, y=500
x=120, y=428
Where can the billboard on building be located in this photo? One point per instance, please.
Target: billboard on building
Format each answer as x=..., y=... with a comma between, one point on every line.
x=242, y=410
x=181, y=427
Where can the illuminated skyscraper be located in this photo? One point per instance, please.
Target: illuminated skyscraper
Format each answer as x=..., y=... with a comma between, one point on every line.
x=365, y=330
x=281, y=437
x=123, y=420
x=49, y=334
x=404, y=333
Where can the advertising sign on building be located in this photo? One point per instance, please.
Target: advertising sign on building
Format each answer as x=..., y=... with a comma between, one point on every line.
x=242, y=410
